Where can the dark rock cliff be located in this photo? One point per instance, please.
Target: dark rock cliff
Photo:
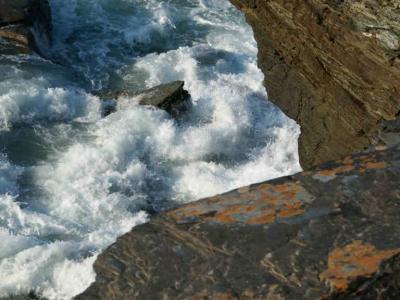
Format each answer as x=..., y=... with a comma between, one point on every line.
x=334, y=66
x=329, y=233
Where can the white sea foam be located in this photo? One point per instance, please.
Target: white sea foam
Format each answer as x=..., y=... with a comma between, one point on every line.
x=8, y=176
x=50, y=256
x=25, y=103
x=96, y=177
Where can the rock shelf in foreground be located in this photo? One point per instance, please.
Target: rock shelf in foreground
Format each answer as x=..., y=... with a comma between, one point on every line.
x=329, y=233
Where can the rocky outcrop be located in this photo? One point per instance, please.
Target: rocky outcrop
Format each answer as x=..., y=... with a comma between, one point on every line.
x=13, y=11
x=171, y=97
x=329, y=233
x=334, y=66
x=15, y=39
x=24, y=26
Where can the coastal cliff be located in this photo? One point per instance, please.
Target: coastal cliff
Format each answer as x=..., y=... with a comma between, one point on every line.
x=334, y=67
x=328, y=233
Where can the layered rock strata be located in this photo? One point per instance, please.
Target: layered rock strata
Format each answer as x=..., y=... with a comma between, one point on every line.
x=329, y=233
x=334, y=66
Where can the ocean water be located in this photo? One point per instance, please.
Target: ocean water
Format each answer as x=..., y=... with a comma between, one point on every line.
x=72, y=181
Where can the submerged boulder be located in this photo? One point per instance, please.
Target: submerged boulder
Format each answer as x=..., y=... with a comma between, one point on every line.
x=25, y=26
x=171, y=97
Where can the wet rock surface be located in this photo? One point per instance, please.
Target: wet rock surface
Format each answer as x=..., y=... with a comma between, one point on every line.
x=15, y=39
x=171, y=97
x=329, y=233
x=334, y=66
x=13, y=11
x=25, y=26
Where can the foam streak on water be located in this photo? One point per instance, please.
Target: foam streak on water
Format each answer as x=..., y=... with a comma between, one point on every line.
x=71, y=181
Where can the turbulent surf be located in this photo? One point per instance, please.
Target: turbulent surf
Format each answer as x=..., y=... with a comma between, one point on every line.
x=72, y=181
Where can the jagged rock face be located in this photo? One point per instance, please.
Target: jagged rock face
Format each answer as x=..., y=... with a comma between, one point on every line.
x=334, y=66
x=329, y=233
x=18, y=20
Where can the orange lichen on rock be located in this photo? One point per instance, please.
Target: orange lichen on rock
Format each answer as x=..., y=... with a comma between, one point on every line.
x=254, y=206
x=348, y=164
x=266, y=218
x=215, y=296
x=376, y=165
x=222, y=296
x=291, y=210
x=347, y=161
x=353, y=261
x=338, y=170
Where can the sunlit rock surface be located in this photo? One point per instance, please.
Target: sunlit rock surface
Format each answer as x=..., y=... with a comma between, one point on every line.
x=329, y=233
x=333, y=66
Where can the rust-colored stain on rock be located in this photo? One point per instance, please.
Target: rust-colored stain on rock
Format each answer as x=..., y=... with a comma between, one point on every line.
x=253, y=206
x=222, y=296
x=352, y=261
x=375, y=165
x=339, y=170
x=15, y=36
x=349, y=164
x=215, y=296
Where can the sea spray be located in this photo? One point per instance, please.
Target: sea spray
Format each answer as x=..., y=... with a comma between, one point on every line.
x=71, y=181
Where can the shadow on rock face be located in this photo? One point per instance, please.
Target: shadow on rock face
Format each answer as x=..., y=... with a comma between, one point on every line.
x=25, y=26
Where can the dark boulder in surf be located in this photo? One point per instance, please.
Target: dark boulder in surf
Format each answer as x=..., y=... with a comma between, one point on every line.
x=25, y=26
x=171, y=97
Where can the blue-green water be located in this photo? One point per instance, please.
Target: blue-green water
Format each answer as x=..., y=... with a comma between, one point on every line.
x=71, y=181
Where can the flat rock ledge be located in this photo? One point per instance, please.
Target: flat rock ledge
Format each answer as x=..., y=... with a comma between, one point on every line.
x=25, y=26
x=329, y=233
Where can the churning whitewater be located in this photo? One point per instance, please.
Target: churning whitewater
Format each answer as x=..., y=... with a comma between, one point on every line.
x=71, y=181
